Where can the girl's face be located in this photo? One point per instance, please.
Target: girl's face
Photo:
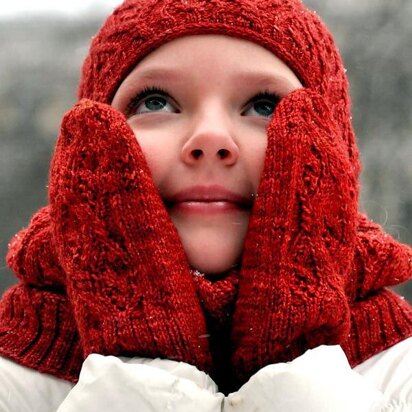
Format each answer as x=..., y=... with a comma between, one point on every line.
x=200, y=106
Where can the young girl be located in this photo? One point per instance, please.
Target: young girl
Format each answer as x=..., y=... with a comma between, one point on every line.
x=203, y=247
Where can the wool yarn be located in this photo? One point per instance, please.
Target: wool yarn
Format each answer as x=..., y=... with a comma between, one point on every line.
x=38, y=317
x=300, y=241
x=127, y=275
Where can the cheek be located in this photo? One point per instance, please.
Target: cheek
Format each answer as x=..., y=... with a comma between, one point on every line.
x=255, y=160
x=158, y=151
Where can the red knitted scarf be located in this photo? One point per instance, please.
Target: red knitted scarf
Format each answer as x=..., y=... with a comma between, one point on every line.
x=38, y=330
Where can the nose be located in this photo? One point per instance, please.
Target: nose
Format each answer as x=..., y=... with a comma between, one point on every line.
x=212, y=143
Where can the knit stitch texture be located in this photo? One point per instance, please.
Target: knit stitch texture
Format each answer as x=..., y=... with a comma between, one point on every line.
x=294, y=264
x=292, y=32
x=126, y=271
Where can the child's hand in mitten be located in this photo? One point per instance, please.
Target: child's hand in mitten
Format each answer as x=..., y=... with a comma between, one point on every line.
x=300, y=242
x=127, y=275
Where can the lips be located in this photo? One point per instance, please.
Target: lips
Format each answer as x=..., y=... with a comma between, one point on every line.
x=208, y=199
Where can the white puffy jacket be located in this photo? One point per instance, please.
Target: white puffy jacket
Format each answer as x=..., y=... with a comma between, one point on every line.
x=320, y=380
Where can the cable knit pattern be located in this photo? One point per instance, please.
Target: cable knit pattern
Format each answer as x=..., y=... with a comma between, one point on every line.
x=300, y=243
x=127, y=275
x=41, y=325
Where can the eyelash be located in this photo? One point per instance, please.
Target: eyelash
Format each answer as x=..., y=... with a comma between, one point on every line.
x=149, y=90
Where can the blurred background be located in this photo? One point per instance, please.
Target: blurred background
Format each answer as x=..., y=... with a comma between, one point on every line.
x=42, y=49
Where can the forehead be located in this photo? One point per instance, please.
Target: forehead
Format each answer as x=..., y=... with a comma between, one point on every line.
x=211, y=56
x=206, y=48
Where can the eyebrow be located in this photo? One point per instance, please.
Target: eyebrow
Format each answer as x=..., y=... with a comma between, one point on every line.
x=259, y=78
x=159, y=72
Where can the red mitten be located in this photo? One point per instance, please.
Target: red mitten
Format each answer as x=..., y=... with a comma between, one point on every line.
x=300, y=243
x=127, y=274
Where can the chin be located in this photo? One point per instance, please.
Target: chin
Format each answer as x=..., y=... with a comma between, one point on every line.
x=212, y=251
x=212, y=267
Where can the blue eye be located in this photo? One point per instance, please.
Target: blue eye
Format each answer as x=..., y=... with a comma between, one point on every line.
x=148, y=98
x=264, y=103
x=154, y=99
